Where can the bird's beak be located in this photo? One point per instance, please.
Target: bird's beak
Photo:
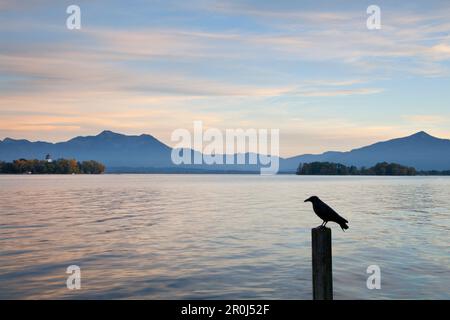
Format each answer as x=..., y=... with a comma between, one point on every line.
x=307, y=200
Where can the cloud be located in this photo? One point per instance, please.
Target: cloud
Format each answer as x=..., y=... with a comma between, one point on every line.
x=103, y=68
x=274, y=12
x=341, y=36
x=150, y=77
x=441, y=51
x=426, y=119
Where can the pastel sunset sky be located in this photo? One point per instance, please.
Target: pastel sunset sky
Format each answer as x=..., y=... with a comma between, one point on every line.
x=309, y=68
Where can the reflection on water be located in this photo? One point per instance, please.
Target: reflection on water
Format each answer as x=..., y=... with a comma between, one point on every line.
x=219, y=236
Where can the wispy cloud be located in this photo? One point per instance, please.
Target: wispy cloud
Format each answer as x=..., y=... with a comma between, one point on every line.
x=228, y=63
x=426, y=119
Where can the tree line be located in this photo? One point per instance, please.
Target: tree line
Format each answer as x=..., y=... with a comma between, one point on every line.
x=60, y=166
x=380, y=169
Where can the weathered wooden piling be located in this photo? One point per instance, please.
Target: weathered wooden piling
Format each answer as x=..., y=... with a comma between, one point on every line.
x=322, y=273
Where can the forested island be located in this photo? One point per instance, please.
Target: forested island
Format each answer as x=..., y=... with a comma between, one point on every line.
x=60, y=166
x=380, y=169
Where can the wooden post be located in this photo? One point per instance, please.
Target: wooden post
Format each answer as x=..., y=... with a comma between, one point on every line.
x=321, y=264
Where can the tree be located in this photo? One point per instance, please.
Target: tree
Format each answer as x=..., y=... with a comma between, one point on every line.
x=60, y=166
x=380, y=169
x=91, y=167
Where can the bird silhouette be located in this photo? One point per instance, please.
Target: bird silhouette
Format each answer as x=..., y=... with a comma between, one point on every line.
x=326, y=213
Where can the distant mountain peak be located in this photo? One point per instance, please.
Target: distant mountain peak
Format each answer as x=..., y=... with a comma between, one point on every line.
x=108, y=133
x=419, y=150
x=14, y=140
x=422, y=134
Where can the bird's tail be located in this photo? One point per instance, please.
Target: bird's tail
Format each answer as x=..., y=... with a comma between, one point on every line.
x=344, y=226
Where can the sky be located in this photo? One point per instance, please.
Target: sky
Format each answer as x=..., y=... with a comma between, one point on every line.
x=311, y=69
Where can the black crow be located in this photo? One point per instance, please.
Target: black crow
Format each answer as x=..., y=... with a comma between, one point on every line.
x=326, y=213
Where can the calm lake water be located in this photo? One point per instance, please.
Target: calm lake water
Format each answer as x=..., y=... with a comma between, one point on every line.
x=219, y=236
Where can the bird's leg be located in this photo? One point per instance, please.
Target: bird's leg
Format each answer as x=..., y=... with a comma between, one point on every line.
x=322, y=223
x=325, y=223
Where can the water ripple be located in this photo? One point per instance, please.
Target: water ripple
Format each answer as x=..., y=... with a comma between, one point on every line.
x=219, y=236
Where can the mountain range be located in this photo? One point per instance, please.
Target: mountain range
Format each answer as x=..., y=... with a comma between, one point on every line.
x=125, y=153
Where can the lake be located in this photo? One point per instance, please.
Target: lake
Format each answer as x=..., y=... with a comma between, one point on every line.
x=219, y=236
